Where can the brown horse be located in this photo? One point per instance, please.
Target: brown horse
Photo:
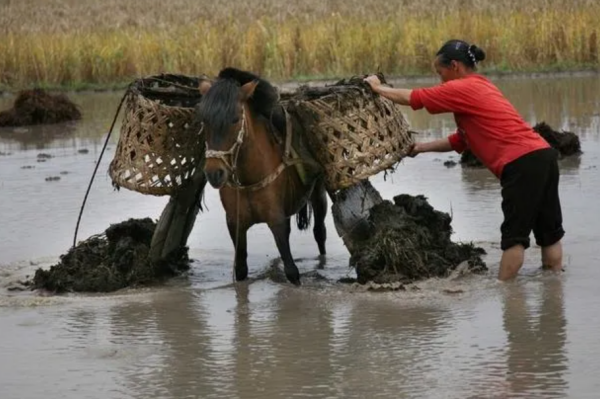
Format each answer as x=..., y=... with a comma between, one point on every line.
x=248, y=160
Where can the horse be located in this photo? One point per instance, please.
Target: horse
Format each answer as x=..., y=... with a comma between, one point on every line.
x=245, y=126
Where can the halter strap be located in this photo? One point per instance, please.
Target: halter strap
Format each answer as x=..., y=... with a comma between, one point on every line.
x=235, y=150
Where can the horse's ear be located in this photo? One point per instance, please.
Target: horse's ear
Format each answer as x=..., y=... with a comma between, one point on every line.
x=205, y=86
x=248, y=89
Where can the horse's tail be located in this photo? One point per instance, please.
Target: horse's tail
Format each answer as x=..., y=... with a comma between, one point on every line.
x=304, y=216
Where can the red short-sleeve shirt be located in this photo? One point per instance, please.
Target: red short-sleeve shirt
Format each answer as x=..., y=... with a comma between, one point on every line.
x=487, y=122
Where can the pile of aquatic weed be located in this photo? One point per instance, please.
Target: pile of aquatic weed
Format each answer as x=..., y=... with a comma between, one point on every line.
x=566, y=143
x=411, y=242
x=116, y=259
x=34, y=107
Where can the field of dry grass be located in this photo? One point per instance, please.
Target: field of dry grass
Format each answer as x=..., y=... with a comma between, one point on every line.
x=85, y=42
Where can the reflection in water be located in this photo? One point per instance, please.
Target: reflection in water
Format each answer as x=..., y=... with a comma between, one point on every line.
x=570, y=165
x=283, y=349
x=38, y=137
x=391, y=350
x=259, y=341
x=478, y=179
x=536, y=361
x=183, y=363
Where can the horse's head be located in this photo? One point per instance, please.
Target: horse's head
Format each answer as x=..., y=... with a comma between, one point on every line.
x=222, y=111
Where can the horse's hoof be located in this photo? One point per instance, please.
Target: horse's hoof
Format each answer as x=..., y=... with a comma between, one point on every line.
x=322, y=261
x=294, y=277
x=241, y=275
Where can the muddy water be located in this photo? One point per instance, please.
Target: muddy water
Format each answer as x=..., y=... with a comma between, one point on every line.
x=201, y=337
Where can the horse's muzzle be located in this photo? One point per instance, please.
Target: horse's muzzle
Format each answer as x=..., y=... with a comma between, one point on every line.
x=216, y=177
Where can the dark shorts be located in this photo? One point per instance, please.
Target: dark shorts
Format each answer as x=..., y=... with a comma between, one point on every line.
x=530, y=200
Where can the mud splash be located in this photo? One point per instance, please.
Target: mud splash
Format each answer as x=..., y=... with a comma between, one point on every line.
x=116, y=259
x=411, y=242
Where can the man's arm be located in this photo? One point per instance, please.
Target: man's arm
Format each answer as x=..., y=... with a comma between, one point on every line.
x=399, y=96
x=441, y=145
x=447, y=97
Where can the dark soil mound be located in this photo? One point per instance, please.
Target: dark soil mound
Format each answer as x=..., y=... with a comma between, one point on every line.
x=469, y=160
x=35, y=107
x=111, y=261
x=567, y=144
x=411, y=242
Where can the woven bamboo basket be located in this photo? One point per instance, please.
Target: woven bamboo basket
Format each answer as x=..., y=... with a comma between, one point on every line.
x=159, y=146
x=352, y=132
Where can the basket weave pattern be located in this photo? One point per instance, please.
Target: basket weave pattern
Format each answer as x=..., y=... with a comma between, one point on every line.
x=353, y=136
x=159, y=145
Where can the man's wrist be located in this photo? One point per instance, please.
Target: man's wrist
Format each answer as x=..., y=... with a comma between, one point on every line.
x=380, y=89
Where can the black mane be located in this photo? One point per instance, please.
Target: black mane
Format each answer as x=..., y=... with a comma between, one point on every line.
x=218, y=106
x=265, y=96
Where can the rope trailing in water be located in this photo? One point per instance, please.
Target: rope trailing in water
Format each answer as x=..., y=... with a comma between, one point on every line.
x=96, y=167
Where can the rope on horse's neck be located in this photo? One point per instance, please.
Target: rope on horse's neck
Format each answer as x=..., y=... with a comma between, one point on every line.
x=237, y=238
x=237, y=222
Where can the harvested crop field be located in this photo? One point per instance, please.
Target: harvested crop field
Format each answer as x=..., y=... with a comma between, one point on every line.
x=75, y=43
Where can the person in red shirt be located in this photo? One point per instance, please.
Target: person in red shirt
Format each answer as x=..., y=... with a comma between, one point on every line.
x=489, y=126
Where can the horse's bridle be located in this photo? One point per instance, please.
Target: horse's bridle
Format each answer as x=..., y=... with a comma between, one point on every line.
x=234, y=152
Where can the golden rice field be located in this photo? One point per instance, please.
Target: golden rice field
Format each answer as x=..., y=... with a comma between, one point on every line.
x=87, y=42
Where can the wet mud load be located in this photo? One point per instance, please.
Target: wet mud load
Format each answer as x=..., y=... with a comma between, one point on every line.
x=116, y=259
x=566, y=143
x=35, y=107
x=410, y=242
x=404, y=241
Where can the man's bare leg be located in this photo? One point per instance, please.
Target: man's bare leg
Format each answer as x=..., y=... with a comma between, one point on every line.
x=552, y=257
x=511, y=262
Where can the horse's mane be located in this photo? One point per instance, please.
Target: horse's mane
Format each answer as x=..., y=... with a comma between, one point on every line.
x=265, y=97
x=218, y=105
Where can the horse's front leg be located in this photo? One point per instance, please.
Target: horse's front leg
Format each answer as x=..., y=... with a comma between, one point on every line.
x=281, y=231
x=319, y=203
x=238, y=233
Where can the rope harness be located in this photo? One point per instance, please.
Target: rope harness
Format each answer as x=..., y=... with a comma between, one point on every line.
x=230, y=157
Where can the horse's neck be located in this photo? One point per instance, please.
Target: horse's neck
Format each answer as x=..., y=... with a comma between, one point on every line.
x=260, y=154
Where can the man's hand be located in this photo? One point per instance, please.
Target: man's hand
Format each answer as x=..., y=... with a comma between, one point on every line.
x=373, y=81
x=399, y=96
x=440, y=145
x=415, y=150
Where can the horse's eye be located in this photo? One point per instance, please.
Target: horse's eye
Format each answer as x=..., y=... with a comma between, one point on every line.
x=235, y=120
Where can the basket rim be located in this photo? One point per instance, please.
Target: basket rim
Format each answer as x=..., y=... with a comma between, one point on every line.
x=141, y=97
x=149, y=87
